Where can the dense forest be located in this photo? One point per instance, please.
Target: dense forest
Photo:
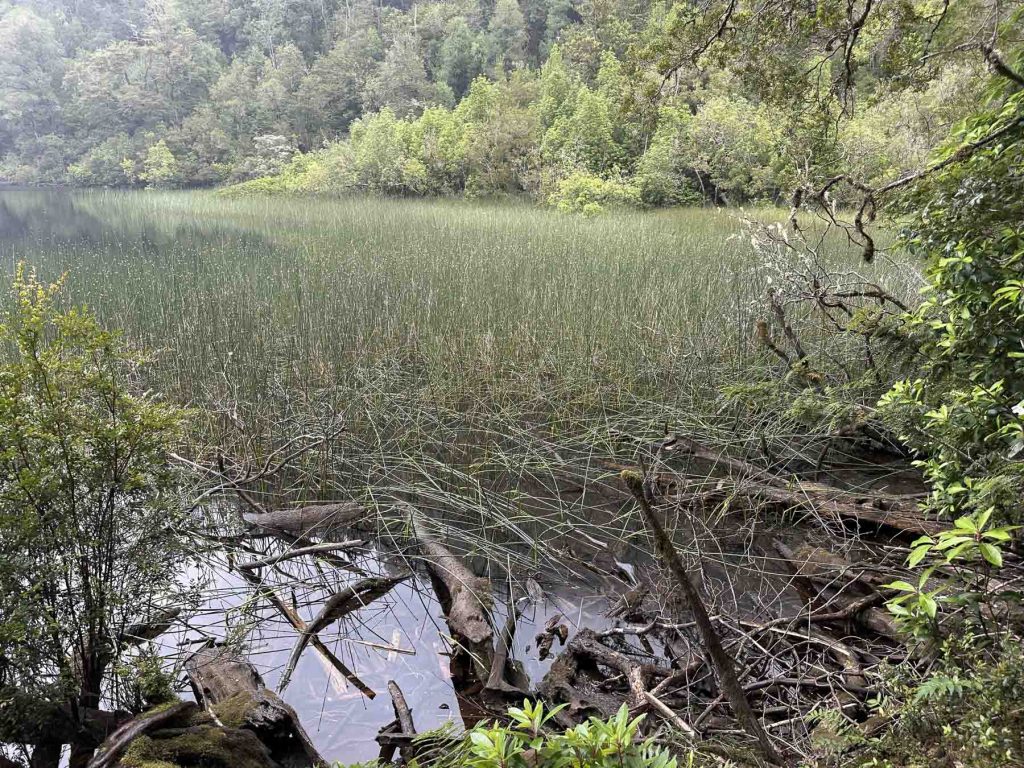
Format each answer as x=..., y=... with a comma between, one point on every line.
x=578, y=103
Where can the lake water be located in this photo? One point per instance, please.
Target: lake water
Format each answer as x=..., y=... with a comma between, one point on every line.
x=497, y=363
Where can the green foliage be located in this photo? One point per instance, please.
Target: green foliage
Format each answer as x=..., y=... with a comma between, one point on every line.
x=574, y=87
x=159, y=166
x=89, y=530
x=590, y=195
x=594, y=744
x=966, y=712
x=965, y=414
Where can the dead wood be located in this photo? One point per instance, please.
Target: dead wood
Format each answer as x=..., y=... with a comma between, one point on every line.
x=232, y=689
x=340, y=604
x=760, y=487
x=145, y=631
x=318, y=520
x=859, y=604
x=666, y=712
x=293, y=618
x=721, y=661
x=465, y=600
x=404, y=716
x=111, y=750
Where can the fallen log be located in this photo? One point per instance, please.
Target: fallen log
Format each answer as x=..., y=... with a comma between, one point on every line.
x=316, y=520
x=340, y=604
x=232, y=689
x=759, y=486
x=184, y=736
x=465, y=600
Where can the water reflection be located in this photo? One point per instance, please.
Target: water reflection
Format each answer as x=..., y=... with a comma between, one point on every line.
x=401, y=636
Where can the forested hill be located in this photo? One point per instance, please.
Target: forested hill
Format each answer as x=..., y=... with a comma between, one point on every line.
x=582, y=102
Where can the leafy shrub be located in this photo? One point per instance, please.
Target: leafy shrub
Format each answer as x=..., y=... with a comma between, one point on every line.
x=966, y=712
x=593, y=744
x=589, y=194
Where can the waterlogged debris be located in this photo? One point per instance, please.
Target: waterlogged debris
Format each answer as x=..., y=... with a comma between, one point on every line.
x=339, y=605
x=316, y=520
x=466, y=602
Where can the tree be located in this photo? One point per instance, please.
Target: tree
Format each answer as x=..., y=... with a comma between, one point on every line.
x=159, y=166
x=90, y=530
x=461, y=57
x=31, y=66
x=330, y=97
x=584, y=139
x=400, y=82
x=507, y=31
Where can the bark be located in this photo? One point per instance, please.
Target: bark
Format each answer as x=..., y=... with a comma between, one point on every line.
x=318, y=520
x=465, y=599
x=763, y=487
x=111, y=750
x=404, y=716
x=233, y=690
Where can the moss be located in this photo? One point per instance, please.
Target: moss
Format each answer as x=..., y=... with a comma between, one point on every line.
x=202, y=747
x=234, y=712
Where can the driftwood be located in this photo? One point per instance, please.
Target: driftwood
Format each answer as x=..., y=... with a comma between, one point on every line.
x=317, y=520
x=232, y=689
x=860, y=597
x=465, y=600
x=403, y=715
x=340, y=604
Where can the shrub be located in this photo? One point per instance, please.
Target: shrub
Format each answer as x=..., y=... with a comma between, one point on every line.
x=588, y=194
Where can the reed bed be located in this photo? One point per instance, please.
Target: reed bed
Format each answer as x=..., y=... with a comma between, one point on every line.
x=490, y=361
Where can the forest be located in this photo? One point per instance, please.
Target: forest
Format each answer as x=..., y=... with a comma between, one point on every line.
x=577, y=104
x=544, y=383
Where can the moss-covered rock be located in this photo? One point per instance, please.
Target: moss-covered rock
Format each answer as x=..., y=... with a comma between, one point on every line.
x=204, y=746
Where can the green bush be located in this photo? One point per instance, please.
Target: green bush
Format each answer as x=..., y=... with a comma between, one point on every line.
x=593, y=744
x=588, y=194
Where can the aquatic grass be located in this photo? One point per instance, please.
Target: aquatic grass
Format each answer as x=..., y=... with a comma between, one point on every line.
x=489, y=360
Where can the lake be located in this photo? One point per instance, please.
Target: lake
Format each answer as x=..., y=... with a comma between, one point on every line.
x=495, y=362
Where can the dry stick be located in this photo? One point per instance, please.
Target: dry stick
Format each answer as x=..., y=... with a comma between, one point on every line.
x=404, y=715
x=299, y=625
x=337, y=606
x=664, y=710
x=315, y=549
x=721, y=661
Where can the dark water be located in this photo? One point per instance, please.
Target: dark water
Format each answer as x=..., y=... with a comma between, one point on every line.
x=401, y=636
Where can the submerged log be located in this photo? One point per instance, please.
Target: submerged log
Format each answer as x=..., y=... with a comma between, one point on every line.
x=465, y=600
x=316, y=520
x=761, y=487
x=340, y=604
x=232, y=689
